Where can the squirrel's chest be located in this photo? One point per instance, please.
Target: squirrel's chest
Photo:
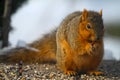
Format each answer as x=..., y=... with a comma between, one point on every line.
x=90, y=59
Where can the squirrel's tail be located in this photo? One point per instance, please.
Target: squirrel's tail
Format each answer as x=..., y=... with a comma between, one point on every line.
x=44, y=51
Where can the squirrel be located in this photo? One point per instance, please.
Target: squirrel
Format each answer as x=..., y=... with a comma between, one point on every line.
x=76, y=46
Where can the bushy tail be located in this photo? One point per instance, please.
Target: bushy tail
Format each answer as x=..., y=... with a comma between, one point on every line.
x=44, y=53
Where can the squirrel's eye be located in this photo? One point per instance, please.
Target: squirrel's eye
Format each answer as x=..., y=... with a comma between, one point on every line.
x=88, y=26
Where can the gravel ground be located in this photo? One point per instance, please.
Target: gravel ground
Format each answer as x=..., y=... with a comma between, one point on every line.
x=36, y=71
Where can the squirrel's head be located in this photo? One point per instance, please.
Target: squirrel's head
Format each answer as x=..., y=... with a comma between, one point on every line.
x=91, y=26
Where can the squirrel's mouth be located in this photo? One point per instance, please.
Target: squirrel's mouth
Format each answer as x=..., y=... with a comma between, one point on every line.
x=92, y=42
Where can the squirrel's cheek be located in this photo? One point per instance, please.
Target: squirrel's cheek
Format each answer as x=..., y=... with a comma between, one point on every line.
x=84, y=34
x=93, y=38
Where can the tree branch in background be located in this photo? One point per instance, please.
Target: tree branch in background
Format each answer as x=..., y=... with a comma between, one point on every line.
x=6, y=22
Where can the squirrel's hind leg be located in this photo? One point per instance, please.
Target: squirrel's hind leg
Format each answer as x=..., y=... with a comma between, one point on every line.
x=97, y=73
x=70, y=73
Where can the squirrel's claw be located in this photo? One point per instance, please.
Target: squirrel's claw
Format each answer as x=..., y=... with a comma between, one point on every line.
x=97, y=73
x=71, y=73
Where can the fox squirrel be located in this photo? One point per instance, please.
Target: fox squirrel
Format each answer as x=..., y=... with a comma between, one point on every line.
x=76, y=45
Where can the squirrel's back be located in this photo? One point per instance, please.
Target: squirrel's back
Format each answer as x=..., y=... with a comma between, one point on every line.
x=45, y=49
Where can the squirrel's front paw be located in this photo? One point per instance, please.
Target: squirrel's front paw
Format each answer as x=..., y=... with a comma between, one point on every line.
x=90, y=49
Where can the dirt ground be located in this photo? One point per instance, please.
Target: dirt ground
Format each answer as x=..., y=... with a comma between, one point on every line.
x=36, y=71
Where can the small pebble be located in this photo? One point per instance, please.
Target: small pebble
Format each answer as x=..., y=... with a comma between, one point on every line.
x=52, y=74
x=46, y=68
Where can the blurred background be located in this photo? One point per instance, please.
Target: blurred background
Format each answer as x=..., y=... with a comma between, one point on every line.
x=33, y=18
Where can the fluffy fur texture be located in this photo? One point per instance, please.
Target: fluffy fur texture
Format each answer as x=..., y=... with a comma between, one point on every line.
x=76, y=45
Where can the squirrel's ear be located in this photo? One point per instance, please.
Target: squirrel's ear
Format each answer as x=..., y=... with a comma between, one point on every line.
x=100, y=12
x=84, y=14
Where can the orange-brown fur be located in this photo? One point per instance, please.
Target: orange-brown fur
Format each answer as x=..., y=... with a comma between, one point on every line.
x=46, y=51
x=74, y=46
x=80, y=49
